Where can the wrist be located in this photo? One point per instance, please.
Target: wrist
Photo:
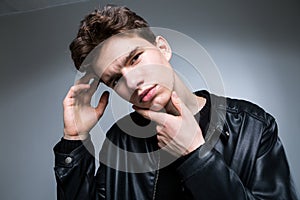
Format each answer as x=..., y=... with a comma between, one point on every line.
x=75, y=136
x=197, y=142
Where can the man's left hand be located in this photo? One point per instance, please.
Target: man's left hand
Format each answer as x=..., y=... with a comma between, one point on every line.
x=179, y=135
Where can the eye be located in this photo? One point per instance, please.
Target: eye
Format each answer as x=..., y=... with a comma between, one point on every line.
x=115, y=81
x=135, y=58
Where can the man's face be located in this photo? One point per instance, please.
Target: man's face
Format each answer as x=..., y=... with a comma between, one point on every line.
x=137, y=70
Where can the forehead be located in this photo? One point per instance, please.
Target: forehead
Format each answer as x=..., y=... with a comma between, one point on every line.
x=115, y=48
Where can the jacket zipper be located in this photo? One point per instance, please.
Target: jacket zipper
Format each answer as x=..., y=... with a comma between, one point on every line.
x=156, y=178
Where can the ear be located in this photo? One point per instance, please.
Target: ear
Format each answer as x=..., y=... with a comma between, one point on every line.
x=164, y=47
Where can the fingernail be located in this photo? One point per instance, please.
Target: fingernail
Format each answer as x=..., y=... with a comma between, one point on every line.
x=174, y=94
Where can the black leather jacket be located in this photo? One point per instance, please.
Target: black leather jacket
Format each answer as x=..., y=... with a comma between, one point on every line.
x=243, y=158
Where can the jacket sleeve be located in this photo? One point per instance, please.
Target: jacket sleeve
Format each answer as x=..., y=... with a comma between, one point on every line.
x=74, y=172
x=209, y=177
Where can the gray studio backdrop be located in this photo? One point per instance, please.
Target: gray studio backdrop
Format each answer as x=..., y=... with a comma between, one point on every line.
x=255, y=45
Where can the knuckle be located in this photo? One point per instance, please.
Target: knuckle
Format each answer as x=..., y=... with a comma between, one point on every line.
x=73, y=88
x=65, y=100
x=158, y=129
x=168, y=123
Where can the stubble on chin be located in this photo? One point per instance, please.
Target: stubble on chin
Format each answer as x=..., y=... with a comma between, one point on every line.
x=160, y=103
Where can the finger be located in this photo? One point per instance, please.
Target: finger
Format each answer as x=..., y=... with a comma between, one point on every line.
x=86, y=78
x=69, y=102
x=177, y=103
x=77, y=89
x=103, y=101
x=158, y=117
x=161, y=139
x=159, y=128
x=160, y=143
x=94, y=85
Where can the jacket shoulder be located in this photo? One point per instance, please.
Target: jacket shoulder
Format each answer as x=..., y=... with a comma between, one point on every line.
x=241, y=105
x=242, y=113
x=237, y=106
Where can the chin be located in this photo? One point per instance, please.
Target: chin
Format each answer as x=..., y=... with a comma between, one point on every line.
x=158, y=105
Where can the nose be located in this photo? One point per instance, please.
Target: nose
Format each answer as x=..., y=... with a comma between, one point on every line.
x=133, y=77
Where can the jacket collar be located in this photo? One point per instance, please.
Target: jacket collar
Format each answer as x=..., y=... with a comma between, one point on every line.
x=217, y=127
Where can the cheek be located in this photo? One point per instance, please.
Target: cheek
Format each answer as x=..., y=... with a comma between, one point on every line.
x=123, y=92
x=158, y=74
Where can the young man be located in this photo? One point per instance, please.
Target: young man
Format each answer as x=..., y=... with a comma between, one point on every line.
x=178, y=144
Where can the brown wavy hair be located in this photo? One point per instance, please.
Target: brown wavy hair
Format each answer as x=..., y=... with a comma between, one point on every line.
x=102, y=24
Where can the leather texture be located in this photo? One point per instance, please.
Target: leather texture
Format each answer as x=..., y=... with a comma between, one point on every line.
x=243, y=158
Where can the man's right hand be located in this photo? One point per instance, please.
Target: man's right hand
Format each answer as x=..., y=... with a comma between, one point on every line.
x=79, y=116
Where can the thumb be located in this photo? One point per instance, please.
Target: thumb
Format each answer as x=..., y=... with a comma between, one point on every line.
x=103, y=101
x=177, y=103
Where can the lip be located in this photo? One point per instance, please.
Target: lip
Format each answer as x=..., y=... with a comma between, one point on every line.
x=147, y=94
